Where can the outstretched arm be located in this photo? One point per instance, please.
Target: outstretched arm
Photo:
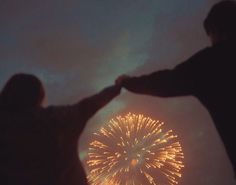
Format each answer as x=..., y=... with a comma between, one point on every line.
x=180, y=81
x=89, y=106
x=75, y=116
x=166, y=83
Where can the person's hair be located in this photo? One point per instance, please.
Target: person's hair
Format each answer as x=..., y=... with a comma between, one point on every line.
x=221, y=19
x=22, y=91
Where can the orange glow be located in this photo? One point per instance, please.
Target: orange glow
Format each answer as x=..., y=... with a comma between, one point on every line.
x=134, y=150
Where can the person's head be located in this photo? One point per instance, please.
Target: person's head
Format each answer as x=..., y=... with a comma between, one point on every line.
x=22, y=91
x=220, y=23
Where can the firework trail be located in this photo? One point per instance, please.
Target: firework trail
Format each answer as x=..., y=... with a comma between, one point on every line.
x=134, y=150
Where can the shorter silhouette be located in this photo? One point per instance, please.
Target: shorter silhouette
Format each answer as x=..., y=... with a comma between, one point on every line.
x=39, y=145
x=208, y=75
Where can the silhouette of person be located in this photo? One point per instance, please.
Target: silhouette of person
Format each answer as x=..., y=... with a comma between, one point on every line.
x=39, y=145
x=208, y=75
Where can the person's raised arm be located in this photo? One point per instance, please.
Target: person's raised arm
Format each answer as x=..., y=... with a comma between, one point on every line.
x=164, y=83
x=76, y=115
x=89, y=106
x=180, y=81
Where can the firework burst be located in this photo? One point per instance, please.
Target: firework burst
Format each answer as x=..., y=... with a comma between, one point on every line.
x=134, y=150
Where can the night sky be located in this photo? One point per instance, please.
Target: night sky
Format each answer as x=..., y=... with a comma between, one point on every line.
x=78, y=47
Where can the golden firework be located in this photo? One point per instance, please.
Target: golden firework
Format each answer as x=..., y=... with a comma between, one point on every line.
x=134, y=150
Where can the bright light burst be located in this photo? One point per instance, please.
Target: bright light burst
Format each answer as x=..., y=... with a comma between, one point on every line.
x=134, y=150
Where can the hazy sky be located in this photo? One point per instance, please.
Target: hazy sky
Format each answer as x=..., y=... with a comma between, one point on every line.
x=77, y=47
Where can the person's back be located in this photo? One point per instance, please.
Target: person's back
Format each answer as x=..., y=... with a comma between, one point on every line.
x=215, y=89
x=212, y=74
x=38, y=148
x=39, y=145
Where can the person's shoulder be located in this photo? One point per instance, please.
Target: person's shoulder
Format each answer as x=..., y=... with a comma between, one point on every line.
x=199, y=58
x=58, y=110
x=52, y=109
x=196, y=61
x=205, y=52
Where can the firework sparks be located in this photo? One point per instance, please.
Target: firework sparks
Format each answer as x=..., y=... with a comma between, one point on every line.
x=134, y=150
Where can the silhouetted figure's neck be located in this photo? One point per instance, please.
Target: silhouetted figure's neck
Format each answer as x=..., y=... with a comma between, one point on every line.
x=217, y=40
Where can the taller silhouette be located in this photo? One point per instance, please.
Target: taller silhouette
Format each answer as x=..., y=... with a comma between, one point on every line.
x=38, y=146
x=208, y=75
